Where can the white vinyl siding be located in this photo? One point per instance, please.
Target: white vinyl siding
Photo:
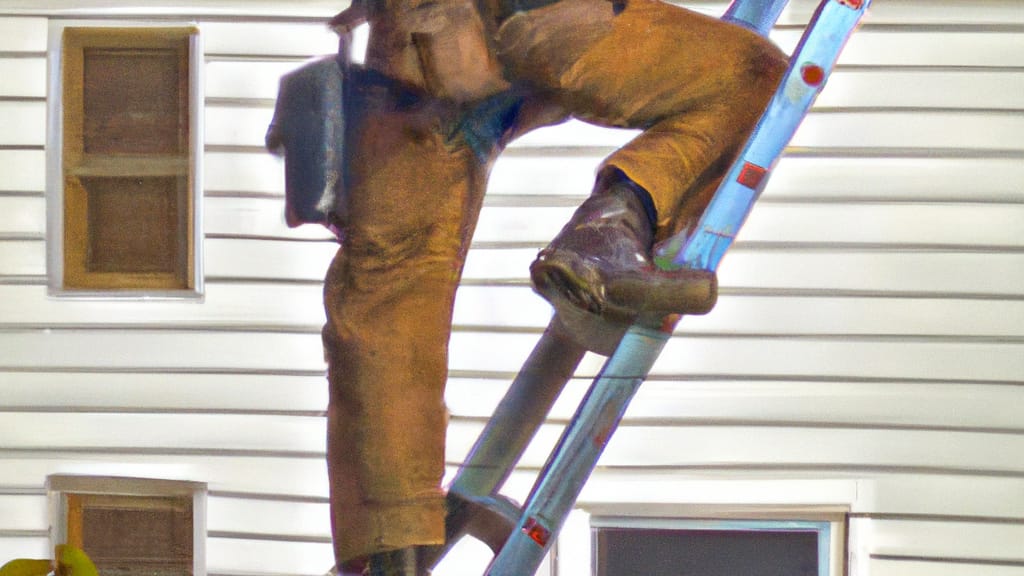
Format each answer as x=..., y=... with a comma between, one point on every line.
x=866, y=353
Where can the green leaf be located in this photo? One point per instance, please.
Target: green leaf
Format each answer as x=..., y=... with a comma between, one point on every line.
x=72, y=561
x=24, y=567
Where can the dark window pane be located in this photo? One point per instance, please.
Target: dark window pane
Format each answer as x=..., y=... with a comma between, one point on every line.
x=135, y=224
x=152, y=538
x=133, y=102
x=653, y=552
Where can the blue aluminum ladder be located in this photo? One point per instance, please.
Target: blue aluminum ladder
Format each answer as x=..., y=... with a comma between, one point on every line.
x=521, y=536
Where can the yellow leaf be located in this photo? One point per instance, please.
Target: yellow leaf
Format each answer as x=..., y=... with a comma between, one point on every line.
x=23, y=567
x=72, y=561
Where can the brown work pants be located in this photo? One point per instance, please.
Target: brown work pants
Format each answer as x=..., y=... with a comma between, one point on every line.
x=695, y=85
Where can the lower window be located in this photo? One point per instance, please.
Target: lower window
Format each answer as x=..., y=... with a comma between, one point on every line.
x=627, y=546
x=132, y=526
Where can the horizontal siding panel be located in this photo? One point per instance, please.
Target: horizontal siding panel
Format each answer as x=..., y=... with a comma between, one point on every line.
x=779, y=357
x=946, y=539
x=22, y=258
x=268, y=517
x=190, y=432
x=23, y=170
x=492, y=306
x=609, y=489
x=986, y=11
x=898, y=129
x=475, y=351
x=947, y=224
x=854, y=129
x=758, y=315
x=889, y=177
x=22, y=512
x=927, y=272
x=885, y=567
x=299, y=306
x=236, y=126
x=922, y=47
x=245, y=79
x=847, y=88
x=281, y=306
x=864, y=404
x=781, y=448
x=254, y=217
x=864, y=493
x=795, y=177
x=926, y=12
x=922, y=88
x=239, y=171
x=932, y=224
x=881, y=358
x=288, y=39
x=241, y=556
x=22, y=123
x=25, y=547
x=969, y=497
x=231, y=258
x=480, y=351
x=131, y=392
x=795, y=452
x=23, y=77
x=882, y=178
x=269, y=474
x=543, y=174
x=861, y=316
x=23, y=215
x=149, y=350
x=23, y=34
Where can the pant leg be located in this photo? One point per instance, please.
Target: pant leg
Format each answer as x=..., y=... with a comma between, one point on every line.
x=413, y=201
x=695, y=84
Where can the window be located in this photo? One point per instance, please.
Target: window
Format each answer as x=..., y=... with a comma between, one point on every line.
x=132, y=526
x=712, y=548
x=124, y=161
x=655, y=539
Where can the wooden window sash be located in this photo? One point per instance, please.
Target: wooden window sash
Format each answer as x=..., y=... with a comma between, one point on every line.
x=79, y=503
x=77, y=164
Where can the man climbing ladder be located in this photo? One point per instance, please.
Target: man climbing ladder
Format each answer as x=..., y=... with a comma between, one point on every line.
x=445, y=86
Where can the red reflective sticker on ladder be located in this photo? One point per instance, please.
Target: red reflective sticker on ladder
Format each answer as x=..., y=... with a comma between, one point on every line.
x=812, y=74
x=536, y=532
x=751, y=175
x=855, y=4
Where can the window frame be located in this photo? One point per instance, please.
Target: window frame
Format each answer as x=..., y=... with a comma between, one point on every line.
x=122, y=285
x=822, y=530
x=60, y=486
x=576, y=545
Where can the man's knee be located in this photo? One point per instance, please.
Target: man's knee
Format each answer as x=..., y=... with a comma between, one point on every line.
x=763, y=69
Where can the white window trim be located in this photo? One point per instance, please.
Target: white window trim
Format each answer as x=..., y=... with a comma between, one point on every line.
x=58, y=486
x=54, y=163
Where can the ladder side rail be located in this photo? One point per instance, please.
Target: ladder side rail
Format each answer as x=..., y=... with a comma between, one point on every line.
x=502, y=442
x=757, y=15
x=562, y=478
x=578, y=451
x=520, y=414
x=810, y=65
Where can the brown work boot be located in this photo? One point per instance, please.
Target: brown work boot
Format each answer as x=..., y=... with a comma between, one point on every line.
x=600, y=265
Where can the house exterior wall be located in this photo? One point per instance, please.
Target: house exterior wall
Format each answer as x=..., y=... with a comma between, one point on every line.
x=866, y=354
